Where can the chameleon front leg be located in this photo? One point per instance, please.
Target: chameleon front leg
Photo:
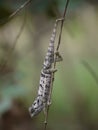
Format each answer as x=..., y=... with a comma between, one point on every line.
x=48, y=71
x=58, y=57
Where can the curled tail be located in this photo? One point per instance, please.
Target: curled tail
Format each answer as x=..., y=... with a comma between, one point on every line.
x=50, y=53
x=49, y=59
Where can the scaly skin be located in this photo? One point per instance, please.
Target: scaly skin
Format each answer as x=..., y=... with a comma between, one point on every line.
x=43, y=97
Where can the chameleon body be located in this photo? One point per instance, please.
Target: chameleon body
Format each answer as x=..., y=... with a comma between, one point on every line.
x=46, y=78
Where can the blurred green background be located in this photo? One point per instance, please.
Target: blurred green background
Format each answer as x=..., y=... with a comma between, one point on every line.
x=23, y=45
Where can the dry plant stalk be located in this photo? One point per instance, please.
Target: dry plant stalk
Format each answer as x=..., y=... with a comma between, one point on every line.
x=58, y=45
x=10, y=51
x=15, y=12
x=20, y=31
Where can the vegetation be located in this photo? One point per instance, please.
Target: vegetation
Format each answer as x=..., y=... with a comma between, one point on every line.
x=75, y=92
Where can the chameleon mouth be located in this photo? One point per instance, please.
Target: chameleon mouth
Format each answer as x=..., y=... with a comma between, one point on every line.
x=32, y=111
x=35, y=111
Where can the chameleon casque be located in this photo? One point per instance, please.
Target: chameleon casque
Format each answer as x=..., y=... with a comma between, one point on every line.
x=46, y=78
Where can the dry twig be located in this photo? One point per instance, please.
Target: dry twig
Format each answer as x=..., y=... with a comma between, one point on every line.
x=15, y=12
x=10, y=51
x=58, y=45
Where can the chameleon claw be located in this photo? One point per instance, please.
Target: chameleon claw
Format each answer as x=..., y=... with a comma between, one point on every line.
x=60, y=19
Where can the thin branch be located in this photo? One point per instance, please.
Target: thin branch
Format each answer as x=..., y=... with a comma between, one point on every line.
x=15, y=12
x=10, y=51
x=20, y=31
x=62, y=23
x=59, y=41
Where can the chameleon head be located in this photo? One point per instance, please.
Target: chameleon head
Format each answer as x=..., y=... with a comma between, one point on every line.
x=36, y=107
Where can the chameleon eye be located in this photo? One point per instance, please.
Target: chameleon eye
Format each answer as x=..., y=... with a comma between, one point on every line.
x=38, y=101
x=45, y=93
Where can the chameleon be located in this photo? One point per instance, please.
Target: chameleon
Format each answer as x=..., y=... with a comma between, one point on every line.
x=46, y=76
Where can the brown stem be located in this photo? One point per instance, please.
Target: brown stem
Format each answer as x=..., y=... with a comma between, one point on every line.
x=59, y=41
x=15, y=12
x=10, y=51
